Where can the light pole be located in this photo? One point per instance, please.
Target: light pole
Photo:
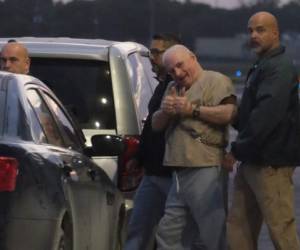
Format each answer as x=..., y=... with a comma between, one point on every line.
x=151, y=19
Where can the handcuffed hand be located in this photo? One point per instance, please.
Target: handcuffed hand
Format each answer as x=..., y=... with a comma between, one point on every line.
x=228, y=162
x=176, y=104
x=169, y=102
x=183, y=107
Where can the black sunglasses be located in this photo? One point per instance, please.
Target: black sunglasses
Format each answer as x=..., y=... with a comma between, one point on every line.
x=156, y=52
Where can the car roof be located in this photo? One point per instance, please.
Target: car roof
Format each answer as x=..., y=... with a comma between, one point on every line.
x=18, y=81
x=74, y=47
x=21, y=79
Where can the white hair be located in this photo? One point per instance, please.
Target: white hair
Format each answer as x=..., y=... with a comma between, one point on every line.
x=178, y=48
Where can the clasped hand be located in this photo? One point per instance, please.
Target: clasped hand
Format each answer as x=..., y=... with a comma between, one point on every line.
x=176, y=104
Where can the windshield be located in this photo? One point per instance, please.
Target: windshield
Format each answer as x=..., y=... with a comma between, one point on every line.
x=83, y=86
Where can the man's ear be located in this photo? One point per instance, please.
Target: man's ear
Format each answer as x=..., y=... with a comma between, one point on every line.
x=276, y=33
x=193, y=56
x=28, y=62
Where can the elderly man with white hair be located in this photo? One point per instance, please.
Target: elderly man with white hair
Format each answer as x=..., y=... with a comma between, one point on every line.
x=197, y=107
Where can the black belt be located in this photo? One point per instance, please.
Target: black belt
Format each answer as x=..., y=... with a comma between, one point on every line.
x=178, y=169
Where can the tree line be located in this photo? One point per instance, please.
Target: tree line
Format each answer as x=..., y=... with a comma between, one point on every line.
x=134, y=20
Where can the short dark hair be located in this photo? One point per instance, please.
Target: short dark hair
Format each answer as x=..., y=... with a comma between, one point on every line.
x=168, y=38
x=12, y=41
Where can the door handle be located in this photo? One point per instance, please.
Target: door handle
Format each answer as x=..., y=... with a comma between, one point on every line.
x=71, y=173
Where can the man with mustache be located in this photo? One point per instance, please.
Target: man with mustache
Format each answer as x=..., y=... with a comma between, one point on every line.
x=267, y=144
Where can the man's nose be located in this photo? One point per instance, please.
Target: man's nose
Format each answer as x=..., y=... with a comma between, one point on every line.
x=253, y=34
x=6, y=63
x=177, y=72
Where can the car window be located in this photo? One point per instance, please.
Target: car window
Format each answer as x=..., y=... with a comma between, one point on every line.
x=37, y=131
x=67, y=130
x=45, y=118
x=83, y=86
x=143, y=82
x=14, y=122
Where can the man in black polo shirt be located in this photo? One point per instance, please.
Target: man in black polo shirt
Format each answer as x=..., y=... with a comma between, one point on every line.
x=151, y=195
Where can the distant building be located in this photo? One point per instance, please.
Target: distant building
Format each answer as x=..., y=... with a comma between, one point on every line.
x=236, y=48
x=292, y=43
x=226, y=48
x=233, y=57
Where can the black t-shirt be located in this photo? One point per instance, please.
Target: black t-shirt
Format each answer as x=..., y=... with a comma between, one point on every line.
x=152, y=144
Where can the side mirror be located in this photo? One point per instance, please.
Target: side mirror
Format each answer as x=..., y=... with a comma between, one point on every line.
x=107, y=145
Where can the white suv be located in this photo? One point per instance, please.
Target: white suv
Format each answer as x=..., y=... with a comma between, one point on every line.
x=105, y=84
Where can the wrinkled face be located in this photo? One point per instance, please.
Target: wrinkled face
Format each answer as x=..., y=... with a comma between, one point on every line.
x=263, y=35
x=14, y=59
x=157, y=48
x=183, y=67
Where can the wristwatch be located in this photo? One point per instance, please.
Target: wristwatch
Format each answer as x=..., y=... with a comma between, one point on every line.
x=196, y=113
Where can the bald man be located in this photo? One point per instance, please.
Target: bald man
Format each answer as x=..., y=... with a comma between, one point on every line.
x=197, y=107
x=14, y=58
x=267, y=144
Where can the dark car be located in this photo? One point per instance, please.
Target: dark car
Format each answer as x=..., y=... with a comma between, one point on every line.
x=52, y=195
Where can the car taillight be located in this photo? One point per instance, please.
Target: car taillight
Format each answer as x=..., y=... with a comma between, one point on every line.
x=8, y=173
x=129, y=179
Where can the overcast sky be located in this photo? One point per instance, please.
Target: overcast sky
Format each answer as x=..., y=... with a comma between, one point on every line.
x=228, y=4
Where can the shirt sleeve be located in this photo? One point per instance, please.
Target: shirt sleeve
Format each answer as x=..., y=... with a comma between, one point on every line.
x=222, y=89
